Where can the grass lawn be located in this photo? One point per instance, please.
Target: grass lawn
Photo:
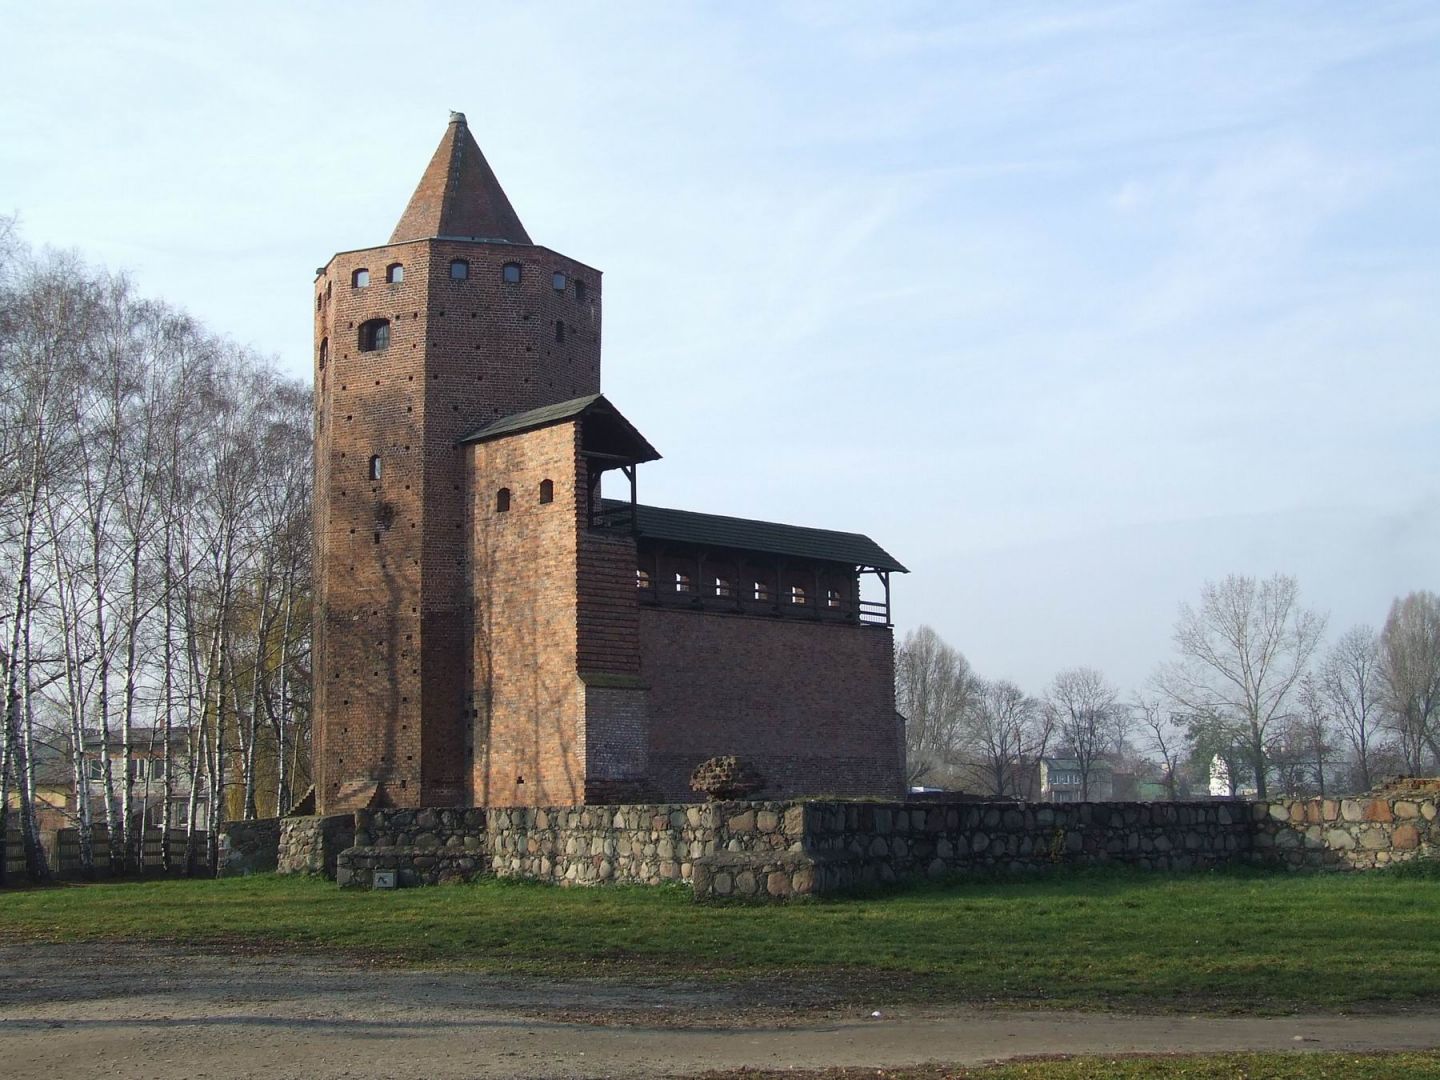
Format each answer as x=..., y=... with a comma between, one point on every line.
x=1217, y=942
x=1421, y=1066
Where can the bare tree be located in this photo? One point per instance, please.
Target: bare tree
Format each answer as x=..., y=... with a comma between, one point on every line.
x=1352, y=680
x=1314, y=729
x=154, y=556
x=40, y=361
x=1160, y=737
x=1006, y=731
x=934, y=690
x=1087, y=718
x=1242, y=652
x=1410, y=655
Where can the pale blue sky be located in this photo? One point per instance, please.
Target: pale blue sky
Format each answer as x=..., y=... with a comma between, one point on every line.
x=1071, y=307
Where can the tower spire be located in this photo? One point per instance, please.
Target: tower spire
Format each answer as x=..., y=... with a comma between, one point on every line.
x=458, y=196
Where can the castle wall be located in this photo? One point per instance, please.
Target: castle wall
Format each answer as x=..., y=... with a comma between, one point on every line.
x=529, y=731
x=810, y=704
x=774, y=850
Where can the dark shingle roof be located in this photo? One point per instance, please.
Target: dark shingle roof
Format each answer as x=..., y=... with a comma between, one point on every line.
x=744, y=534
x=620, y=431
x=534, y=418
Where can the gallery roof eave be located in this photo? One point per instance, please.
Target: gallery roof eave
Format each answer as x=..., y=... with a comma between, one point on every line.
x=763, y=537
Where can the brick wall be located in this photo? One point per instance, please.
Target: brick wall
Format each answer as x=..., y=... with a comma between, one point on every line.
x=809, y=704
x=393, y=697
x=528, y=731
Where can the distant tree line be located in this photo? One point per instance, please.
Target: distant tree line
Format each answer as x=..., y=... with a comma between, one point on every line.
x=1252, y=700
x=154, y=564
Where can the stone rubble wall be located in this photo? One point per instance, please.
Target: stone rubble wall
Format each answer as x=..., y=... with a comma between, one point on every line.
x=248, y=847
x=639, y=844
x=846, y=844
x=312, y=845
x=423, y=847
x=1346, y=834
x=776, y=850
x=853, y=843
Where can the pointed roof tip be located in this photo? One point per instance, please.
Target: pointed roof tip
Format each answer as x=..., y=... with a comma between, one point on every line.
x=458, y=196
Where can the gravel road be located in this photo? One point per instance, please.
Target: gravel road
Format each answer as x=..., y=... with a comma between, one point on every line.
x=92, y=1011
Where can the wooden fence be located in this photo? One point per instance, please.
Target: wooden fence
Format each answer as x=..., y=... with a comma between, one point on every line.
x=62, y=853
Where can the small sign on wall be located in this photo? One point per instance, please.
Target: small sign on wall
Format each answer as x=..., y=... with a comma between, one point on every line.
x=384, y=879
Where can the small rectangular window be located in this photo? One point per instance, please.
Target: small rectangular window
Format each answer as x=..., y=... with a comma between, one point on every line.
x=511, y=274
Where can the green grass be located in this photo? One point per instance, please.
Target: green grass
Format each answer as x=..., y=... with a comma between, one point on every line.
x=1219, y=941
x=1293, y=1066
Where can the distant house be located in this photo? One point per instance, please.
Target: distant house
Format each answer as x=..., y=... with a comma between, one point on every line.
x=57, y=805
x=1060, y=781
x=1222, y=786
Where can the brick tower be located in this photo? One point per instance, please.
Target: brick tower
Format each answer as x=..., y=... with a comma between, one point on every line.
x=457, y=321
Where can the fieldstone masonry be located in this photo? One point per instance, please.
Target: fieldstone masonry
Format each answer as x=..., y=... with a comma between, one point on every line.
x=776, y=850
x=423, y=847
x=248, y=847
x=1346, y=834
x=312, y=845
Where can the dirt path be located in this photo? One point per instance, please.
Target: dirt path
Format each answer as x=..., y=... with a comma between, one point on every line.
x=148, y=1012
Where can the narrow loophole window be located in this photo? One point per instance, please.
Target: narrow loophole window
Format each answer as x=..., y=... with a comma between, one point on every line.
x=559, y=332
x=502, y=500
x=324, y=352
x=579, y=291
x=547, y=491
x=375, y=467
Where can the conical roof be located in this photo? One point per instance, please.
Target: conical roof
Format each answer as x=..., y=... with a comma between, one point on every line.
x=459, y=196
